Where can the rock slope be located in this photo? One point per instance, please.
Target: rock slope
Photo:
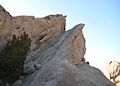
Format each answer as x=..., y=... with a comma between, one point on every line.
x=57, y=56
x=62, y=63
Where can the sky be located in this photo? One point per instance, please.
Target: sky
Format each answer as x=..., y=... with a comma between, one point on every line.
x=101, y=19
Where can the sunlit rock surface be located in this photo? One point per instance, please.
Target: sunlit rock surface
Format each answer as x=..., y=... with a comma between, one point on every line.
x=113, y=72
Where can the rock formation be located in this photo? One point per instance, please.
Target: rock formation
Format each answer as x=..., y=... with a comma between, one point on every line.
x=56, y=57
x=113, y=69
x=39, y=29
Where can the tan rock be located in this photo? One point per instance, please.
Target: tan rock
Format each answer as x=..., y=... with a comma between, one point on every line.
x=5, y=26
x=39, y=29
x=117, y=80
x=113, y=72
x=77, y=45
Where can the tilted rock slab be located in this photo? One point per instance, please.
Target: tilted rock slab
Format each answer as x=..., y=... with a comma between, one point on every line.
x=58, y=53
x=59, y=58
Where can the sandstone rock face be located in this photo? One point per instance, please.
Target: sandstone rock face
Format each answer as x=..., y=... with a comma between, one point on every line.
x=113, y=69
x=5, y=25
x=39, y=29
x=57, y=56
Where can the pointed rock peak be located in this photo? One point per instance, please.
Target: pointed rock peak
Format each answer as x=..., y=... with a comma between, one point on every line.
x=77, y=30
x=79, y=26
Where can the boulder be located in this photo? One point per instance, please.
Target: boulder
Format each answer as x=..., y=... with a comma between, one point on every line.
x=37, y=66
x=29, y=69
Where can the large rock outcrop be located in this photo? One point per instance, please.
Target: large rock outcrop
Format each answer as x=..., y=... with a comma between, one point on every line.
x=57, y=56
x=39, y=29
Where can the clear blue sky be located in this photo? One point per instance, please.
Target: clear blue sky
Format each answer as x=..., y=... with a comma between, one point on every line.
x=101, y=19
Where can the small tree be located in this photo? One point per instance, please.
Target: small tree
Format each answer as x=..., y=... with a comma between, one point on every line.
x=12, y=58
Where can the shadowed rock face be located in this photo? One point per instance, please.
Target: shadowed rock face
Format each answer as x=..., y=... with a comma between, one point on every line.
x=56, y=55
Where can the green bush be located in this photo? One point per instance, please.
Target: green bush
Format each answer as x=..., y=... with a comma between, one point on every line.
x=12, y=58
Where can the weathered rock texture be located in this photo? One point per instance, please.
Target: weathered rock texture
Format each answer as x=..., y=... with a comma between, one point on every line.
x=57, y=56
x=113, y=72
x=39, y=29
